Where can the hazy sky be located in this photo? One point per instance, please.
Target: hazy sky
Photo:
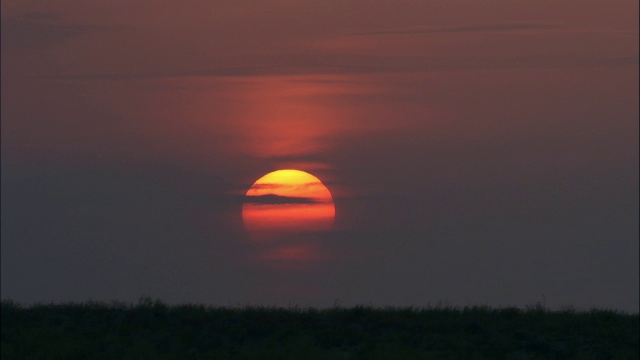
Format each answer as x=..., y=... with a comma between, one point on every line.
x=478, y=152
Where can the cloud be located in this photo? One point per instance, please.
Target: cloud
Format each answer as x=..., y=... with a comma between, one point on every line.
x=471, y=28
x=269, y=186
x=417, y=64
x=39, y=29
x=266, y=186
x=531, y=45
x=286, y=68
x=278, y=199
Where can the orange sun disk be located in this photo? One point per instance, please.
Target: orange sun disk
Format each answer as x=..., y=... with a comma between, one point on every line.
x=288, y=201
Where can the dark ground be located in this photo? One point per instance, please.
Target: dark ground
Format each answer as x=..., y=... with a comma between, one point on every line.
x=153, y=330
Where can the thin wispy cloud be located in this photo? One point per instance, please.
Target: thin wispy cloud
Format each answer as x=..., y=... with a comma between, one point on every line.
x=463, y=29
x=40, y=29
x=278, y=199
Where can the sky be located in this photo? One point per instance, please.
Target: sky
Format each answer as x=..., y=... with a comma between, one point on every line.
x=477, y=152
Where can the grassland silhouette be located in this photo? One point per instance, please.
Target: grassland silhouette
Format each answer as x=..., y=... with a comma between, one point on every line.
x=151, y=329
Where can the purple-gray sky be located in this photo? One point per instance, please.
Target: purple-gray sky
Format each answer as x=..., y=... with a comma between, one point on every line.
x=479, y=152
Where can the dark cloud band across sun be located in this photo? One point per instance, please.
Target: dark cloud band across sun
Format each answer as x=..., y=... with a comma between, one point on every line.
x=279, y=199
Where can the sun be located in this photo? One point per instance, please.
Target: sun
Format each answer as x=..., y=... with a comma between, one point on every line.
x=288, y=201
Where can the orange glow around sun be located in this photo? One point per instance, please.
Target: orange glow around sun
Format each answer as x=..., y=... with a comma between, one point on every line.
x=288, y=201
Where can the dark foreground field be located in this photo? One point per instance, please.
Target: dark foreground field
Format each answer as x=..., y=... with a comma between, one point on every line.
x=152, y=330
